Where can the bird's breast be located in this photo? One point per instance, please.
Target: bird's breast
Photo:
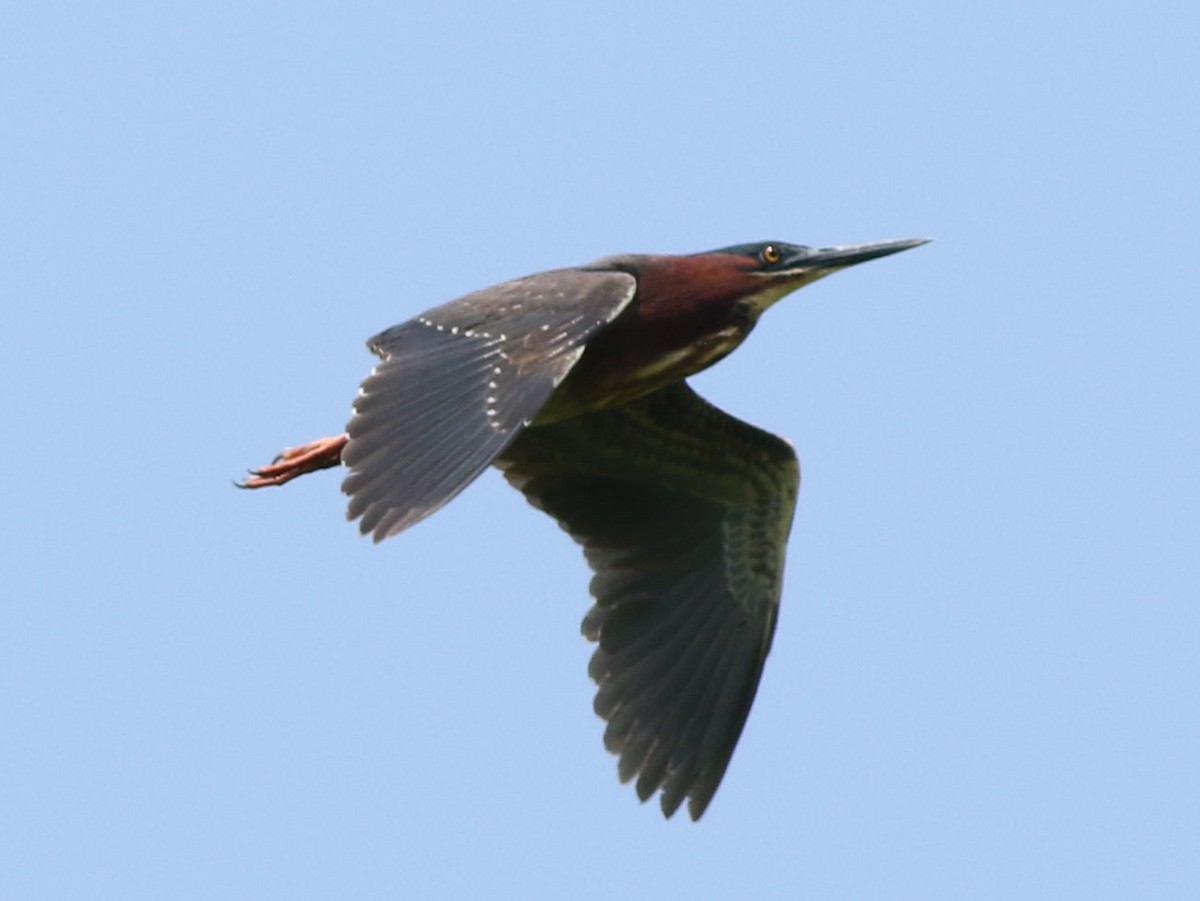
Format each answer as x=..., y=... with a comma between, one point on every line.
x=612, y=372
x=676, y=364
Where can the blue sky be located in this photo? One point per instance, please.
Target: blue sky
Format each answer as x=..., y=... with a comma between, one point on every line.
x=986, y=677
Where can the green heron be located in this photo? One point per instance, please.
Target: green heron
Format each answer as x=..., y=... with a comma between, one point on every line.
x=571, y=382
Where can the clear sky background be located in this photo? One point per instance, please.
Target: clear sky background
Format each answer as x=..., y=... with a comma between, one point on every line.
x=986, y=679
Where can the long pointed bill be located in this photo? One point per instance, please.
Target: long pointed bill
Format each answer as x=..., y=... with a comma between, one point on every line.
x=812, y=260
x=805, y=265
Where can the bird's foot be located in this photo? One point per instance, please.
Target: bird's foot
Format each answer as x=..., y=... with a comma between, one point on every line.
x=297, y=461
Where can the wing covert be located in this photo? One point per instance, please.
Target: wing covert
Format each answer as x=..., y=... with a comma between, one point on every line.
x=456, y=384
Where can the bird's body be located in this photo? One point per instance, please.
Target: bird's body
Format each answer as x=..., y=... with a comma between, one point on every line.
x=571, y=382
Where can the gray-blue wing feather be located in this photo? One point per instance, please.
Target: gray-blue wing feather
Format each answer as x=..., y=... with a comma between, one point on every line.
x=457, y=384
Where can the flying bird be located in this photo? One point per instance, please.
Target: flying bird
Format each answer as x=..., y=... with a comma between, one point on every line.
x=571, y=382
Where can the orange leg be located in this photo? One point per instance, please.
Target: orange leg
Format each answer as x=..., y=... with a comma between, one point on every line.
x=297, y=461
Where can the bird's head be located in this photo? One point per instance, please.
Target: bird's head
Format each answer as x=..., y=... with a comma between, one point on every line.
x=749, y=277
x=760, y=274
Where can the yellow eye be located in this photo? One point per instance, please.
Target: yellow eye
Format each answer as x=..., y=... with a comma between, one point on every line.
x=771, y=255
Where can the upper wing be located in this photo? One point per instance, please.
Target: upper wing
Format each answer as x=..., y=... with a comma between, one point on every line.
x=683, y=513
x=459, y=382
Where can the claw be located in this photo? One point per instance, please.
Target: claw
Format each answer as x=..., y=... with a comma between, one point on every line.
x=297, y=461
